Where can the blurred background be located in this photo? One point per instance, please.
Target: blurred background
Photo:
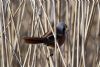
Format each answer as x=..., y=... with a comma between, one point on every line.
x=19, y=18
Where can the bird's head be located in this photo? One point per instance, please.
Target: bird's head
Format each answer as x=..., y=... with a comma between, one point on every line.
x=61, y=27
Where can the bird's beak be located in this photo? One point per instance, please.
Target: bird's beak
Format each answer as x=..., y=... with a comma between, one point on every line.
x=66, y=28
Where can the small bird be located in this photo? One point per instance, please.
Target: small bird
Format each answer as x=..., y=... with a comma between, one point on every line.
x=48, y=38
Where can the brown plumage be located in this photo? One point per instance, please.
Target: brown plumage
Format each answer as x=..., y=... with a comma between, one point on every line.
x=34, y=40
x=48, y=38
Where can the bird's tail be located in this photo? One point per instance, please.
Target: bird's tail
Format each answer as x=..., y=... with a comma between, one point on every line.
x=34, y=40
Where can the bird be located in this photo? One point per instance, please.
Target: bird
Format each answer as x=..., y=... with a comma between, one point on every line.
x=48, y=38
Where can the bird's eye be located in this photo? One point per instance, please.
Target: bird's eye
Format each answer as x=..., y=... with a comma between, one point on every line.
x=63, y=29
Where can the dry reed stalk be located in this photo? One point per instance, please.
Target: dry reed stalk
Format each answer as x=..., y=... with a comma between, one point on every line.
x=78, y=17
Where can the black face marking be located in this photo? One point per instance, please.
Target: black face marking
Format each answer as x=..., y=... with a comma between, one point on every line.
x=61, y=28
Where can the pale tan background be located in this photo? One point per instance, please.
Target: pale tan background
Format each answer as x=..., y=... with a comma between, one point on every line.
x=20, y=18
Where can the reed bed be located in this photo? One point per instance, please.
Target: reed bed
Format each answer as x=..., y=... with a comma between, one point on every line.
x=19, y=18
